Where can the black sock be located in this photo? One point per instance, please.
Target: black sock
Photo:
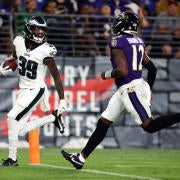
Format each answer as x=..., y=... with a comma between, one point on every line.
x=162, y=122
x=96, y=138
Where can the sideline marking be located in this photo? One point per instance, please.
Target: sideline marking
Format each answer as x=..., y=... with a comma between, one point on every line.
x=147, y=165
x=97, y=172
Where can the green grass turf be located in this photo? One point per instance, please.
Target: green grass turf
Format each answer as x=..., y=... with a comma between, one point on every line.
x=108, y=164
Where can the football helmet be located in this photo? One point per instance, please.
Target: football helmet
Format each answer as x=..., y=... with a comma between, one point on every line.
x=35, y=29
x=125, y=22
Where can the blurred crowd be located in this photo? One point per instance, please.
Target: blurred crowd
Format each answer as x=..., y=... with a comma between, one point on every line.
x=160, y=21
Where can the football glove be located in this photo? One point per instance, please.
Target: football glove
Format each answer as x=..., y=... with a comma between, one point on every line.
x=62, y=107
x=4, y=70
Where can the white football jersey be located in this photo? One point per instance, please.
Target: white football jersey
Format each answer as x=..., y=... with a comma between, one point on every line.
x=31, y=68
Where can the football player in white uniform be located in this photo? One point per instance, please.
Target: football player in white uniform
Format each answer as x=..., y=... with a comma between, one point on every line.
x=33, y=54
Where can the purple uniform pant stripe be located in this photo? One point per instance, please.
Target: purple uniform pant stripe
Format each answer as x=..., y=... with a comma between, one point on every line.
x=138, y=106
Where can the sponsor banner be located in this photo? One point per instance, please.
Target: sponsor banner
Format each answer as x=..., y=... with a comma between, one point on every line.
x=84, y=96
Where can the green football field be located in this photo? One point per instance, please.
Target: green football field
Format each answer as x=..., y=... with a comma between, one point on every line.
x=107, y=164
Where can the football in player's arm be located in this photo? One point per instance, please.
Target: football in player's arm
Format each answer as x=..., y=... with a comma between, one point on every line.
x=133, y=93
x=33, y=54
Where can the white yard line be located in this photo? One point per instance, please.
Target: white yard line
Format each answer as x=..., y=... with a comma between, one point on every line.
x=99, y=172
x=149, y=165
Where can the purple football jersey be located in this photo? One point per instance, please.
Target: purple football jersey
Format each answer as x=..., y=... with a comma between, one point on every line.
x=133, y=47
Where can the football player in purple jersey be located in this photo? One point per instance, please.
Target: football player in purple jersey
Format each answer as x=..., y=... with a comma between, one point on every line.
x=133, y=93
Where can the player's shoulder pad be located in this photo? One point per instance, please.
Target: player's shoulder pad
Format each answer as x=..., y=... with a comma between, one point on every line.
x=118, y=41
x=114, y=41
x=49, y=49
x=18, y=39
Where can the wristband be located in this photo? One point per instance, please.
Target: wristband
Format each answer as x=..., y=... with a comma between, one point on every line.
x=108, y=74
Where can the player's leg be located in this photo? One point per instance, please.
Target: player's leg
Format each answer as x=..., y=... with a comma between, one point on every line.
x=13, y=143
x=35, y=98
x=149, y=124
x=161, y=122
x=111, y=113
x=34, y=124
x=140, y=110
x=78, y=159
x=51, y=118
x=137, y=102
x=17, y=117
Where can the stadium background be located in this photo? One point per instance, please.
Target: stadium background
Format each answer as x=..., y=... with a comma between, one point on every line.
x=87, y=96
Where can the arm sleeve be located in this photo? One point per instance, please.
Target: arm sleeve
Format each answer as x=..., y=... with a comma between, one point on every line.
x=151, y=73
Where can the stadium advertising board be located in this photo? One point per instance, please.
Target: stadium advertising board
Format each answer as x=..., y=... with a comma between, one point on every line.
x=84, y=96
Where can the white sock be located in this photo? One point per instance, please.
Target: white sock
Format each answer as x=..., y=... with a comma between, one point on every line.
x=13, y=145
x=81, y=158
x=29, y=126
x=13, y=138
